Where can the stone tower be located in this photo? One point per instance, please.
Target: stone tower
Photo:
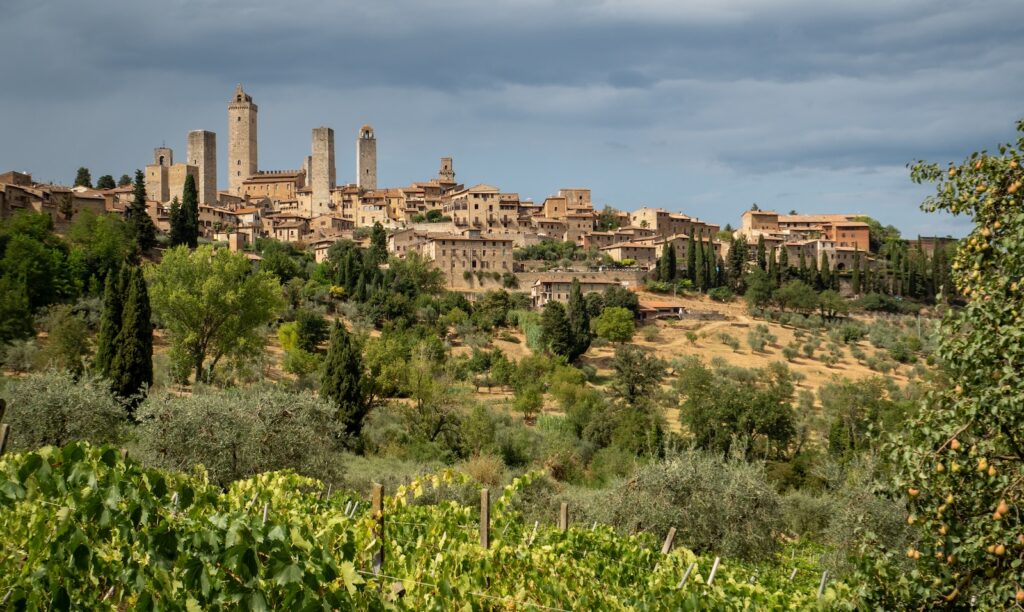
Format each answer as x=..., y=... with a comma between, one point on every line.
x=447, y=173
x=242, y=155
x=321, y=168
x=366, y=159
x=157, y=180
x=202, y=153
x=163, y=156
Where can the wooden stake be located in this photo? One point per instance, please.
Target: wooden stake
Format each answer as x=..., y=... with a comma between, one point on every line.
x=377, y=499
x=5, y=430
x=792, y=575
x=534, y=534
x=667, y=546
x=124, y=454
x=824, y=581
x=266, y=508
x=714, y=569
x=485, y=519
x=3, y=408
x=563, y=517
x=686, y=575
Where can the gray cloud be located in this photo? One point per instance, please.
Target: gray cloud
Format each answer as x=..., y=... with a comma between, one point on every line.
x=704, y=103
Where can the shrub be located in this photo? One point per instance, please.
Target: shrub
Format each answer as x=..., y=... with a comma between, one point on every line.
x=692, y=337
x=756, y=341
x=715, y=505
x=650, y=333
x=54, y=408
x=790, y=353
x=852, y=332
x=808, y=349
x=239, y=433
x=484, y=469
x=611, y=462
x=807, y=515
x=20, y=355
x=721, y=294
x=729, y=341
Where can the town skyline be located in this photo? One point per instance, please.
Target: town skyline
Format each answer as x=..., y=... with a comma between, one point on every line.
x=698, y=109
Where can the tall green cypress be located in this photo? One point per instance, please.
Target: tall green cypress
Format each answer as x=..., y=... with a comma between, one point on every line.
x=673, y=265
x=691, y=259
x=378, y=244
x=342, y=381
x=814, y=278
x=177, y=223
x=825, y=276
x=783, y=264
x=699, y=267
x=855, y=281
x=190, y=212
x=762, y=255
x=110, y=320
x=579, y=321
x=554, y=327
x=802, y=273
x=138, y=215
x=773, y=267
x=722, y=276
x=131, y=369
x=709, y=265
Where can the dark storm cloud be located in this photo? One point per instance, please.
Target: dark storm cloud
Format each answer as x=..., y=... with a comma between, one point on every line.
x=723, y=89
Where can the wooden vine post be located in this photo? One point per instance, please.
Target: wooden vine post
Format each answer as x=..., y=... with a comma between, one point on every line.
x=5, y=429
x=485, y=518
x=377, y=501
x=563, y=517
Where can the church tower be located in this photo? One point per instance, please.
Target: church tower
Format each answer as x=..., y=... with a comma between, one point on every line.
x=242, y=155
x=366, y=159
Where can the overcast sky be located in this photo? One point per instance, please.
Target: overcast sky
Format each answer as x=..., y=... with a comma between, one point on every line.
x=702, y=106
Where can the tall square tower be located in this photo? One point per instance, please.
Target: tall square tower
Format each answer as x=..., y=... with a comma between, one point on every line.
x=202, y=153
x=322, y=170
x=366, y=159
x=242, y=153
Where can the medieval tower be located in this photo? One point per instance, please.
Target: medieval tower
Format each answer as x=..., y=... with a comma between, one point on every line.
x=366, y=159
x=446, y=175
x=242, y=155
x=202, y=153
x=321, y=169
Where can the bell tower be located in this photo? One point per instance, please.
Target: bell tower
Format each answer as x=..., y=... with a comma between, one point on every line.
x=242, y=152
x=366, y=159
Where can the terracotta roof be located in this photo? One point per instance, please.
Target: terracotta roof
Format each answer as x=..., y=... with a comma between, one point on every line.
x=566, y=277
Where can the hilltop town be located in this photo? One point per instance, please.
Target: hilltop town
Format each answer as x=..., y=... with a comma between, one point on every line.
x=478, y=236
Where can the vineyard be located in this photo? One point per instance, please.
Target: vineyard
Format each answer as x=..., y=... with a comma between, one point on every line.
x=86, y=528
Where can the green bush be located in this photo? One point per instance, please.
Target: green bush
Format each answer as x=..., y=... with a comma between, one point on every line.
x=241, y=432
x=715, y=505
x=807, y=515
x=721, y=294
x=20, y=355
x=54, y=408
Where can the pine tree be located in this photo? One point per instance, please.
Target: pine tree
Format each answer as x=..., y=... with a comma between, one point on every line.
x=110, y=320
x=131, y=369
x=177, y=223
x=342, y=382
x=83, y=178
x=190, y=212
x=138, y=215
x=762, y=255
x=691, y=259
x=579, y=321
x=855, y=281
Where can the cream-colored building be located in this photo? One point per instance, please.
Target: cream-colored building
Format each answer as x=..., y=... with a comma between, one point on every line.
x=642, y=254
x=470, y=251
x=556, y=287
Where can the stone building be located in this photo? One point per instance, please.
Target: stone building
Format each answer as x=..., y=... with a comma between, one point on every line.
x=202, y=153
x=275, y=185
x=644, y=255
x=165, y=180
x=322, y=170
x=470, y=251
x=556, y=287
x=366, y=158
x=242, y=140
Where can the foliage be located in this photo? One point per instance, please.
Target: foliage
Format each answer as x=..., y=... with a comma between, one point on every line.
x=555, y=330
x=141, y=225
x=212, y=304
x=579, y=322
x=83, y=178
x=960, y=459
x=105, y=182
x=54, y=408
x=67, y=339
x=721, y=294
x=176, y=538
x=102, y=243
x=636, y=375
x=131, y=365
x=615, y=324
x=343, y=382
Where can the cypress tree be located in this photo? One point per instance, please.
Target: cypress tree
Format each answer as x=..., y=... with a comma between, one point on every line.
x=177, y=222
x=762, y=256
x=802, y=272
x=691, y=259
x=378, y=244
x=699, y=267
x=190, y=212
x=554, y=327
x=855, y=282
x=83, y=178
x=722, y=278
x=579, y=321
x=342, y=382
x=814, y=279
x=709, y=265
x=673, y=265
x=825, y=276
x=110, y=320
x=131, y=369
x=138, y=215
x=737, y=262
x=773, y=267
x=783, y=264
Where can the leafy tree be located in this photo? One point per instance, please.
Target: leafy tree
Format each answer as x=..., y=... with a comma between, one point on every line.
x=960, y=457
x=607, y=220
x=190, y=212
x=579, y=322
x=796, y=295
x=67, y=342
x=343, y=383
x=312, y=329
x=860, y=413
x=213, y=305
x=15, y=314
x=131, y=368
x=105, y=182
x=615, y=325
x=759, y=290
x=529, y=400
x=831, y=304
x=141, y=224
x=618, y=296
x=636, y=375
x=555, y=331
x=101, y=243
x=124, y=181
x=83, y=178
